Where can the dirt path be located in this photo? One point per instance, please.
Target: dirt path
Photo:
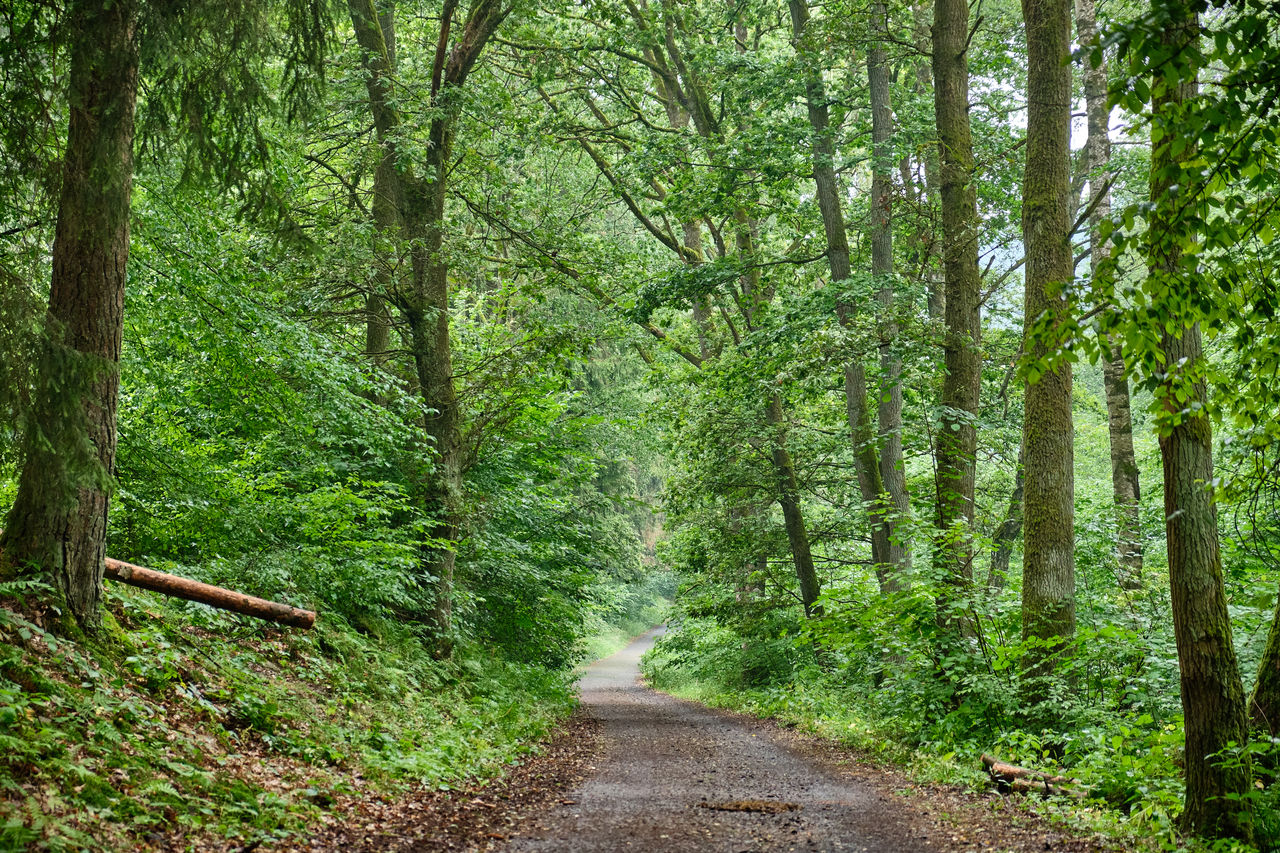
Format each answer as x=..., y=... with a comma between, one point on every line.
x=674, y=776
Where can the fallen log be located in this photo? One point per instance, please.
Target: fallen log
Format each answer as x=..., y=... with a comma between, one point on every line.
x=1035, y=786
x=1025, y=781
x=1009, y=772
x=214, y=596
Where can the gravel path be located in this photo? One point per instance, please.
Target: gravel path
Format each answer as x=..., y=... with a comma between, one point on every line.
x=675, y=776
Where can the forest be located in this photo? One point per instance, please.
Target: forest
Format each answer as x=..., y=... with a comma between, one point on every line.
x=917, y=363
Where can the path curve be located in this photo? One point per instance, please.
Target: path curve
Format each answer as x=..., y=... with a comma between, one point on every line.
x=665, y=760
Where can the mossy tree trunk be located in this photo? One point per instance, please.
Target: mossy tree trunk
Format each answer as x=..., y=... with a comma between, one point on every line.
x=1048, y=564
x=58, y=521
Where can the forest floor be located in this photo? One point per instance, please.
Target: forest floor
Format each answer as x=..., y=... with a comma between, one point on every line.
x=635, y=769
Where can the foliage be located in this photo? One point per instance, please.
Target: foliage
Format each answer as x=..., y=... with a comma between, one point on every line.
x=642, y=324
x=200, y=723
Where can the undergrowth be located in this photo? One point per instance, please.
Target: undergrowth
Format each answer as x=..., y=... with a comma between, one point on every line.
x=180, y=721
x=1129, y=763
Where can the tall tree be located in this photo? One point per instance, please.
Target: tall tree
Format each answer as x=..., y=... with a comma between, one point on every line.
x=386, y=217
x=670, y=56
x=421, y=189
x=58, y=521
x=1048, y=567
x=1124, y=467
x=881, y=478
x=1212, y=694
x=893, y=473
x=957, y=436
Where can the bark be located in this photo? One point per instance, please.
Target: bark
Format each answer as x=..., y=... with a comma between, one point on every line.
x=386, y=222
x=1213, y=700
x=59, y=517
x=1048, y=563
x=926, y=239
x=1124, y=468
x=426, y=312
x=793, y=518
x=957, y=438
x=1264, y=704
x=893, y=472
x=886, y=501
x=1048, y=789
x=1010, y=529
x=214, y=596
x=424, y=303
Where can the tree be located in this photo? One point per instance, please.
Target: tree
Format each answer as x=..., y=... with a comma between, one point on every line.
x=58, y=520
x=957, y=435
x=57, y=524
x=422, y=190
x=1124, y=468
x=661, y=46
x=1048, y=573
x=896, y=502
x=881, y=477
x=1212, y=694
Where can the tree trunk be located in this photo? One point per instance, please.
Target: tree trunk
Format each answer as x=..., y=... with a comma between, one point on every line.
x=1213, y=701
x=1048, y=563
x=1264, y=704
x=425, y=304
x=926, y=239
x=58, y=520
x=793, y=518
x=893, y=474
x=707, y=348
x=1009, y=529
x=957, y=436
x=1212, y=694
x=1124, y=468
x=888, y=551
x=214, y=596
x=386, y=222
x=426, y=311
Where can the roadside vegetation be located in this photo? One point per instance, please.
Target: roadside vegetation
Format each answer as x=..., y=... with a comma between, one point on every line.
x=924, y=355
